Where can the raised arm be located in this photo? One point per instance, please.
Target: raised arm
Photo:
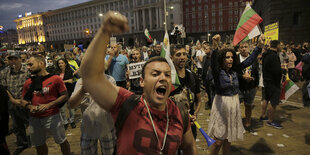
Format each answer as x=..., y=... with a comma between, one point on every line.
x=247, y=62
x=92, y=67
x=215, y=66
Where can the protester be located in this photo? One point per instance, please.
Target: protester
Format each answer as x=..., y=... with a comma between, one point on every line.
x=134, y=84
x=306, y=76
x=156, y=51
x=4, y=120
x=190, y=84
x=14, y=77
x=156, y=82
x=42, y=94
x=66, y=74
x=207, y=77
x=272, y=75
x=117, y=65
x=97, y=124
x=291, y=63
x=248, y=82
x=199, y=57
x=225, y=119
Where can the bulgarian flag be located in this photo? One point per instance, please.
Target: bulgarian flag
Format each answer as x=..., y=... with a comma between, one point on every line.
x=248, y=25
x=288, y=88
x=165, y=52
x=148, y=36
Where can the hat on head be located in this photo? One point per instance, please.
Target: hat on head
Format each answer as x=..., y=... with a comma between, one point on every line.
x=12, y=53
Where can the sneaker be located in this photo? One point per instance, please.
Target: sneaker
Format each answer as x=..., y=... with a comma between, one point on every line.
x=73, y=125
x=263, y=118
x=249, y=129
x=275, y=125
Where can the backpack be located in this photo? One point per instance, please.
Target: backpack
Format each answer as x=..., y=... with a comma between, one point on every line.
x=133, y=101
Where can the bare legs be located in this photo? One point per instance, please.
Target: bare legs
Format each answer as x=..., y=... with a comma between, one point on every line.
x=215, y=148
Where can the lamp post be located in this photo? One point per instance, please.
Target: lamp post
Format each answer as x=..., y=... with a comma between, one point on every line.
x=165, y=14
x=209, y=37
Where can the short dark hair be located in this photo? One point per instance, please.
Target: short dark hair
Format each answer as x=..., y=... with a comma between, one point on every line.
x=39, y=58
x=153, y=59
x=274, y=43
x=175, y=47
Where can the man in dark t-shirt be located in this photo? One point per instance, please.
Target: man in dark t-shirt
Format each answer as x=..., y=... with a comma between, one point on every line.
x=41, y=95
x=154, y=125
x=272, y=75
x=190, y=84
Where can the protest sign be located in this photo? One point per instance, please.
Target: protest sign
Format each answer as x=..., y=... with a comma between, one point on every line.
x=135, y=70
x=271, y=32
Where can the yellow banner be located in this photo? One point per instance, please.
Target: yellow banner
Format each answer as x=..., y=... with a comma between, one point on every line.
x=271, y=32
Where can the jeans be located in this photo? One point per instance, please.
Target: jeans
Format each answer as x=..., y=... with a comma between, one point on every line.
x=20, y=120
x=64, y=118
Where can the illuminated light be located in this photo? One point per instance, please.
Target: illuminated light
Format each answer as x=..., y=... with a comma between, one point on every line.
x=100, y=14
x=20, y=16
x=171, y=7
x=28, y=13
x=115, y=13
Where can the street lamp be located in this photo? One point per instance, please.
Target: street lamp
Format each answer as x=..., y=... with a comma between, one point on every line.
x=209, y=37
x=171, y=7
x=100, y=14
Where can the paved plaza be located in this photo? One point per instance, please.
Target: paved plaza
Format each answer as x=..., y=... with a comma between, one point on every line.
x=293, y=139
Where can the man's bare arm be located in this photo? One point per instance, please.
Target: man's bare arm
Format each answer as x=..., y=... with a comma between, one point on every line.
x=188, y=144
x=92, y=67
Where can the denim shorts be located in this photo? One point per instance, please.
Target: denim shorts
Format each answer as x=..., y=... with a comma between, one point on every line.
x=39, y=126
x=247, y=96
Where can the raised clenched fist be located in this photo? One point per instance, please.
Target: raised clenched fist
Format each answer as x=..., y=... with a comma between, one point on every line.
x=114, y=22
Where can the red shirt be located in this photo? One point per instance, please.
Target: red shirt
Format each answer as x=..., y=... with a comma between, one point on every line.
x=137, y=135
x=51, y=88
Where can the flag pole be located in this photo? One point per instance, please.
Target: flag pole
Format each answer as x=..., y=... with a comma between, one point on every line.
x=165, y=14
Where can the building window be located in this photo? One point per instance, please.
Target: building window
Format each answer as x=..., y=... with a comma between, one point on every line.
x=193, y=1
x=220, y=5
x=193, y=15
x=193, y=22
x=213, y=14
x=220, y=13
x=220, y=28
x=213, y=20
x=296, y=18
x=199, y=1
x=230, y=12
x=220, y=20
x=186, y=10
x=213, y=6
x=171, y=16
x=230, y=19
x=213, y=28
x=199, y=8
x=236, y=12
x=206, y=7
x=236, y=19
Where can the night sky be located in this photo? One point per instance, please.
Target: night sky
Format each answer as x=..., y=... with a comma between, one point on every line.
x=10, y=9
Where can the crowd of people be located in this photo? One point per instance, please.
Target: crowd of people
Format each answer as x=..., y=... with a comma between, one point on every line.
x=42, y=91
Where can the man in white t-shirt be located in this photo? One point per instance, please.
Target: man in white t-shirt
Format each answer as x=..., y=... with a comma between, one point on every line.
x=199, y=57
x=97, y=124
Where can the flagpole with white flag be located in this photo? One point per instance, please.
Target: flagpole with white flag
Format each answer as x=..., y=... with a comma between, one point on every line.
x=165, y=52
